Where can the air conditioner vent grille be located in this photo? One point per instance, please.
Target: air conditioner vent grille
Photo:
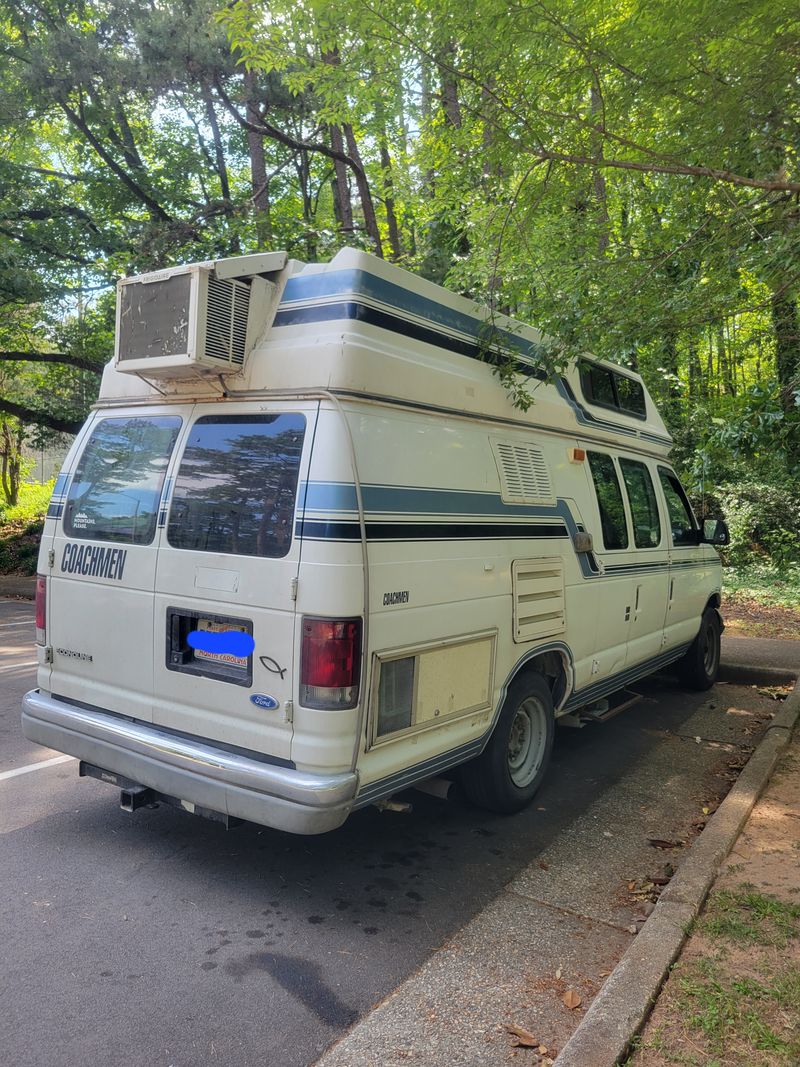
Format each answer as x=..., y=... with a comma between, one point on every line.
x=226, y=320
x=524, y=476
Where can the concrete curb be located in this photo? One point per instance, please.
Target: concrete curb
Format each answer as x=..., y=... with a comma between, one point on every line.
x=744, y=674
x=621, y=1007
x=17, y=585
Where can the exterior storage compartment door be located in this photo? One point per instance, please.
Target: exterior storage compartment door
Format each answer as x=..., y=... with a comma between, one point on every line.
x=100, y=597
x=223, y=637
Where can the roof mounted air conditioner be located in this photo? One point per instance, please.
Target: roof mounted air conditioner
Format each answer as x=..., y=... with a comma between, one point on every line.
x=202, y=318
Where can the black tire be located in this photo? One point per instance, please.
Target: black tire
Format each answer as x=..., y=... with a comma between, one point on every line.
x=700, y=666
x=507, y=774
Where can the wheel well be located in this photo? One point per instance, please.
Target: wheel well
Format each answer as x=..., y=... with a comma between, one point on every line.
x=554, y=667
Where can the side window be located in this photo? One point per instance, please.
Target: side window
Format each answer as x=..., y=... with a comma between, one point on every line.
x=117, y=485
x=681, y=519
x=630, y=394
x=609, y=499
x=612, y=389
x=236, y=486
x=598, y=385
x=642, y=499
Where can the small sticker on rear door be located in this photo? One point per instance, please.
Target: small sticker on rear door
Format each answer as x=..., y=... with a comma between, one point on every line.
x=261, y=700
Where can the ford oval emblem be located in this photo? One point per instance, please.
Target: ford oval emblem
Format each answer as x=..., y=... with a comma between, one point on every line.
x=261, y=700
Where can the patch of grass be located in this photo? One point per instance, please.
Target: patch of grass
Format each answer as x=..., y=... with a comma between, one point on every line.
x=762, y=584
x=735, y=1013
x=745, y=916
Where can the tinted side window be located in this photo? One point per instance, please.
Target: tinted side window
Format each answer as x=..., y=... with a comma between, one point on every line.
x=681, y=519
x=609, y=499
x=236, y=486
x=630, y=394
x=642, y=499
x=598, y=385
x=117, y=485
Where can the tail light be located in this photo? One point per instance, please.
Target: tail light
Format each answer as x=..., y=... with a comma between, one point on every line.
x=41, y=609
x=330, y=663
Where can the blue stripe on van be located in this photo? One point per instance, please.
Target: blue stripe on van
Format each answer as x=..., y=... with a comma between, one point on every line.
x=478, y=336
x=420, y=500
x=336, y=530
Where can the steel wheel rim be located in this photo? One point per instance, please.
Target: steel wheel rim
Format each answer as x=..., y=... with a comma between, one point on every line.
x=710, y=651
x=526, y=742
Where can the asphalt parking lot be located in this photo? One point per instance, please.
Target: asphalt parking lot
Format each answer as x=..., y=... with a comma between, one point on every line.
x=160, y=938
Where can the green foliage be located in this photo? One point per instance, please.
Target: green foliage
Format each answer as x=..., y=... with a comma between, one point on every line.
x=762, y=518
x=31, y=506
x=19, y=547
x=764, y=584
x=624, y=177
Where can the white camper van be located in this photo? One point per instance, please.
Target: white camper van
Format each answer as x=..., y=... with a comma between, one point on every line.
x=305, y=553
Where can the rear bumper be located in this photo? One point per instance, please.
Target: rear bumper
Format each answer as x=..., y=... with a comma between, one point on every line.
x=195, y=771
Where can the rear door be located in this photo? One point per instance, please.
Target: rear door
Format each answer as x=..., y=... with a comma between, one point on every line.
x=223, y=636
x=100, y=599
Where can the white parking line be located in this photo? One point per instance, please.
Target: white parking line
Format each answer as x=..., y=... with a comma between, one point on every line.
x=16, y=666
x=35, y=766
x=24, y=622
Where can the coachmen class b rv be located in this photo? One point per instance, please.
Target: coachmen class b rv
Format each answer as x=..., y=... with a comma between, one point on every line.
x=306, y=553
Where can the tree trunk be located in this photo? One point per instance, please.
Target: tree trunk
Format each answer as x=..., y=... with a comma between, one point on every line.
x=599, y=181
x=395, y=250
x=367, y=206
x=342, y=205
x=11, y=460
x=787, y=348
x=258, y=168
x=450, y=103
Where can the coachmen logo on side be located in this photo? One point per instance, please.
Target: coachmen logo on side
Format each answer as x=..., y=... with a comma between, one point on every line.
x=93, y=560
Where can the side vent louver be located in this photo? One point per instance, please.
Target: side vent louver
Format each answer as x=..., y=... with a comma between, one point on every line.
x=538, y=597
x=226, y=320
x=524, y=477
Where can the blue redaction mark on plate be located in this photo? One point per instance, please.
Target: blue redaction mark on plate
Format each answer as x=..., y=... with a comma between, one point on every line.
x=226, y=643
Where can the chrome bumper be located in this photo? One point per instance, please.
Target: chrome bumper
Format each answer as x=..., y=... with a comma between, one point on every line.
x=195, y=771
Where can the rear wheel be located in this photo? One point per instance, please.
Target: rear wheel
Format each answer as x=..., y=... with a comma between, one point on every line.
x=700, y=666
x=509, y=771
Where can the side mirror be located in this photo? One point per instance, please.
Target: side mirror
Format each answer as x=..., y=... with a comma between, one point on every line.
x=715, y=532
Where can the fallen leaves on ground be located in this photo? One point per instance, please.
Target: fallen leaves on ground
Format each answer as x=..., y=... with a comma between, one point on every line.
x=524, y=1038
x=659, y=842
x=571, y=999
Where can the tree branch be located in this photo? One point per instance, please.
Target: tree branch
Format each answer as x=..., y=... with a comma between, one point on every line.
x=727, y=176
x=79, y=122
x=39, y=418
x=53, y=357
x=267, y=130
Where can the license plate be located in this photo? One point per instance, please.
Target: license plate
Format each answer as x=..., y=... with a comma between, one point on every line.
x=220, y=657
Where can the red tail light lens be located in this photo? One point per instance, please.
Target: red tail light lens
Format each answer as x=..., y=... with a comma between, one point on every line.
x=330, y=663
x=41, y=609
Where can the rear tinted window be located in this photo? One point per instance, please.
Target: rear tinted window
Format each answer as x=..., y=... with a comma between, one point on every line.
x=236, y=486
x=117, y=485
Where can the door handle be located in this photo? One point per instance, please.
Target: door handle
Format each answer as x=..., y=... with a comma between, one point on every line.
x=636, y=610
